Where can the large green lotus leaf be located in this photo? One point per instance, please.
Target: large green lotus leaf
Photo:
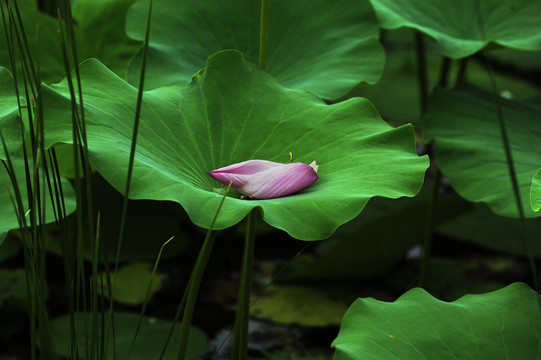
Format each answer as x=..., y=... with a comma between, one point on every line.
x=326, y=47
x=504, y=324
x=469, y=147
x=148, y=345
x=457, y=25
x=10, y=125
x=8, y=218
x=233, y=112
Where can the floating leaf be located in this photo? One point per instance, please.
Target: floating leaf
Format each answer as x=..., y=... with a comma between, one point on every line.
x=326, y=47
x=469, y=148
x=8, y=218
x=132, y=283
x=303, y=305
x=504, y=324
x=149, y=343
x=233, y=112
x=10, y=125
x=463, y=27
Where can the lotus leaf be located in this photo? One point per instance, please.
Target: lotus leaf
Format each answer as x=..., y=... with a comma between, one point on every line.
x=10, y=125
x=232, y=112
x=8, y=218
x=326, y=47
x=469, y=147
x=504, y=324
x=150, y=340
x=463, y=27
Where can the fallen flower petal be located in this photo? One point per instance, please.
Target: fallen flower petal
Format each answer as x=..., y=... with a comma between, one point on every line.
x=262, y=179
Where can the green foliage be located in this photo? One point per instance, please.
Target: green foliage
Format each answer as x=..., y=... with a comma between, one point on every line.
x=149, y=343
x=10, y=125
x=324, y=47
x=8, y=217
x=464, y=125
x=233, y=112
x=100, y=33
x=503, y=324
x=463, y=27
x=395, y=97
x=41, y=33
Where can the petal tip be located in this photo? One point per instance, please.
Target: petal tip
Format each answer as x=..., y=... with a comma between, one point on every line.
x=314, y=166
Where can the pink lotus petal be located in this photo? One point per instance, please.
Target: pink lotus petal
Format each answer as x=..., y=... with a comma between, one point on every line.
x=249, y=167
x=261, y=179
x=237, y=181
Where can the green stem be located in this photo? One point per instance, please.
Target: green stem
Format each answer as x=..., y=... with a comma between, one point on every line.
x=443, y=81
x=445, y=68
x=263, y=34
x=240, y=337
x=429, y=226
x=461, y=76
x=147, y=296
x=421, y=70
x=195, y=282
x=131, y=161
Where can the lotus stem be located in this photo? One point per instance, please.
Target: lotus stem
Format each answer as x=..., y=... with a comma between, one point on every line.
x=421, y=70
x=240, y=338
x=429, y=226
x=195, y=282
x=263, y=34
